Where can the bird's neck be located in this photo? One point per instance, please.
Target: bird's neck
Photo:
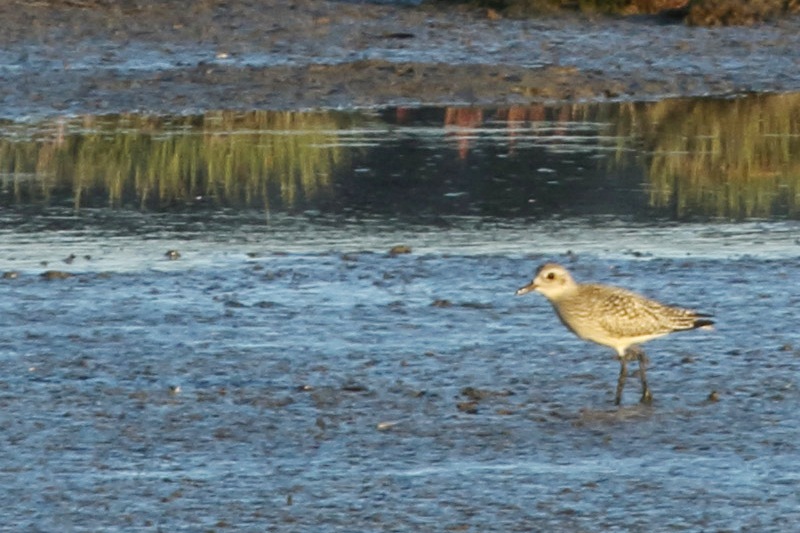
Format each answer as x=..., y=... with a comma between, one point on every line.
x=564, y=294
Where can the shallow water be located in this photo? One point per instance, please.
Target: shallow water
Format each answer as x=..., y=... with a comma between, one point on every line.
x=287, y=372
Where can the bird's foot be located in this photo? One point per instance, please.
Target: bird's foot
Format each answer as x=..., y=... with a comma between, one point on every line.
x=647, y=397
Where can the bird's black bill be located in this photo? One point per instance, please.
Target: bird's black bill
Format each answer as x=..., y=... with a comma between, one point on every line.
x=526, y=289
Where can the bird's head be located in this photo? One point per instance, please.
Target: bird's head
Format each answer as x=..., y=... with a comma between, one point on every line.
x=551, y=280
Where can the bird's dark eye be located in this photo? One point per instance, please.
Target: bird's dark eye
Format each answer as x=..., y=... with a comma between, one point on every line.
x=551, y=275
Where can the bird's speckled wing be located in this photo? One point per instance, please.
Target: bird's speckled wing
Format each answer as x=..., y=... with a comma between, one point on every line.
x=623, y=313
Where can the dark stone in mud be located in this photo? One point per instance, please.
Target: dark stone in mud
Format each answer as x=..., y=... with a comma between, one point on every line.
x=481, y=394
x=55, y=274
x=172, y=255
x=475, y=394
x=442, y=303
x=354, y=387
x=470, y=408
x=476, y=305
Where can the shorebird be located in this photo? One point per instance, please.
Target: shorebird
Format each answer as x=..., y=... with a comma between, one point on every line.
x=613, y=317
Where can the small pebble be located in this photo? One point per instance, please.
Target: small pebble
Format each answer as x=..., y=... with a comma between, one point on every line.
x=713, y=396
x=55, y=274
x=399, y=249
x=11, y=274
x=383, y=426
x=172, y=255
x=468, y=407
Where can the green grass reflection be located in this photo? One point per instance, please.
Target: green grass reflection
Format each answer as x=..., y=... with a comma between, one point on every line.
x=239, y=159
x=734, y=157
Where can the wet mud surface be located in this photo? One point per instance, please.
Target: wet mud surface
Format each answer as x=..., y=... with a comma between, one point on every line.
x=327, y=382
x=61, y=58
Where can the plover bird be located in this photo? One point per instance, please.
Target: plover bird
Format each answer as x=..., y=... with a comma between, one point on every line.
x=613, y=317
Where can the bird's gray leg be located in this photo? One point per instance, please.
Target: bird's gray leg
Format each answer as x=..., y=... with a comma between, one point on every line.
x=623, y=373
x=647, y=396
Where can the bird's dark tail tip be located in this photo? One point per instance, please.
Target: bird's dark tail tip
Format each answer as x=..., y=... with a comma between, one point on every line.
x=702, y=322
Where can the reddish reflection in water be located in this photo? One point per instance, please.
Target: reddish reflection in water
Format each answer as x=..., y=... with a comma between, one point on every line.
x=459, y=122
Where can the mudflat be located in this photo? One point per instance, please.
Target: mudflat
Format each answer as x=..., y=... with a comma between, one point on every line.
x=76, y=57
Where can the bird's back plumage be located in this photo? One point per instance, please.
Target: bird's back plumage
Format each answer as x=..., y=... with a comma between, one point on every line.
x=622, y=313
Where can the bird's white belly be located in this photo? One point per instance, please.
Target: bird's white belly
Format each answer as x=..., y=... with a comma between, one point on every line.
x=589, y=328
